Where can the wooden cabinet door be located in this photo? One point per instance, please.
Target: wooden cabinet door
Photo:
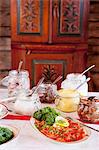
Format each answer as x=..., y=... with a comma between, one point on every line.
x=69, y=21
x=48, y=65
x=29, y=21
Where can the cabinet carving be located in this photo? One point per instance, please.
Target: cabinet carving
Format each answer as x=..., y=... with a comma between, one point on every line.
x=29, y=16
x=29, y=21
x=70, y=17
x=70, y=21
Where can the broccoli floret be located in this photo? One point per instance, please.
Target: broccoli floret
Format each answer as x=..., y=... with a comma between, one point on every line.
x=50, y=119
x=46, y=110
x=37, y=115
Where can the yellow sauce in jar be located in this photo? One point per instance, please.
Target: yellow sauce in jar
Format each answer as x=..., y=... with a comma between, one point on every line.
x=67, y=101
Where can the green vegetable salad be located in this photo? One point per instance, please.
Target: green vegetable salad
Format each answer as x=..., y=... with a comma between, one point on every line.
x=5, y=135
x=47, y=114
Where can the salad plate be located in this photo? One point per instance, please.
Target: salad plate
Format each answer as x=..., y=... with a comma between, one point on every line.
x=81, y=131
x=8, y=129
x=3, y=111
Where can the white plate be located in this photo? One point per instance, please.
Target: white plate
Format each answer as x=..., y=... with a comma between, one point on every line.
x=32, y=121
x=4, y=81
x=13, y=129
x=3, y=111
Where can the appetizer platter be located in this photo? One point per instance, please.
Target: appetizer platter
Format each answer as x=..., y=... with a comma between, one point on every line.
x=7, y=134
x=50, y=124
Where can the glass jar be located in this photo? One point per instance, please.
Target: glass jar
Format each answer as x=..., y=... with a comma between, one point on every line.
x=73, y=80
x=16, y=81
x=23, y=79
x=26, y=105
x=67, y=100
x=12, y=83
x=88, y=109
x=47, y=92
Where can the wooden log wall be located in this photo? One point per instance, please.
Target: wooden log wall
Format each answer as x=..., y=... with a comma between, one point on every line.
x=93, y=51
x=5, y=38
x=93, y=32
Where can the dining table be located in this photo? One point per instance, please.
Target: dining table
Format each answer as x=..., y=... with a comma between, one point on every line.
x=28, y=139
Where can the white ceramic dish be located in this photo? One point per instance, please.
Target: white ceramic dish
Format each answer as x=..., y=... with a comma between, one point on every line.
x=3, y=111
x=13, y=129
x=32, y=121
x=4, y=81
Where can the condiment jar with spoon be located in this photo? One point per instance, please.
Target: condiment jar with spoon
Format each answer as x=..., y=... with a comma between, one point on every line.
x=26, y=104
x=73, y=80
x=17, y=79
x=67, y=100
x=47, y=91
x=88, y=109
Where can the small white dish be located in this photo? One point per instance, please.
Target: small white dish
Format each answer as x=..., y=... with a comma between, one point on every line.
x=3, y=111
x=4, y=81
x=13, y=129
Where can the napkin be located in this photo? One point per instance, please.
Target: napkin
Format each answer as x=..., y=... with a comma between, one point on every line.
x=17, y=117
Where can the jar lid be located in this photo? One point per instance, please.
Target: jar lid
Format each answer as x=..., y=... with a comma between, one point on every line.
x=23, y=73
x=76, y=76
x=13, y=72
x=68, y=93
x=48, y=84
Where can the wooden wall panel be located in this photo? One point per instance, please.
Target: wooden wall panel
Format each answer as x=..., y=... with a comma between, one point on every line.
x=5, y=43
x=94, y=59
x=5, y=38
x=5, y=60
x=93, y=50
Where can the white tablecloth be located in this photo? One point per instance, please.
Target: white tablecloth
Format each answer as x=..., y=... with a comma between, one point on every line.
x=29, y=140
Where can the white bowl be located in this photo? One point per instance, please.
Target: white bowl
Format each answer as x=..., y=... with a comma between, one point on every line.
x=3, y=111
x=13, y=129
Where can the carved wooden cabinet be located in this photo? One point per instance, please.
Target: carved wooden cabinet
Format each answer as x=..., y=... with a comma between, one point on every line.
x=69, y=21
x=50, y=36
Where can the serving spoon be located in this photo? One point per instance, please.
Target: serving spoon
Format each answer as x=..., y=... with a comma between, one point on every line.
x=87, y=70
x=88, y=79
x=57, y=79
x=33, y=91
x=20, y=65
